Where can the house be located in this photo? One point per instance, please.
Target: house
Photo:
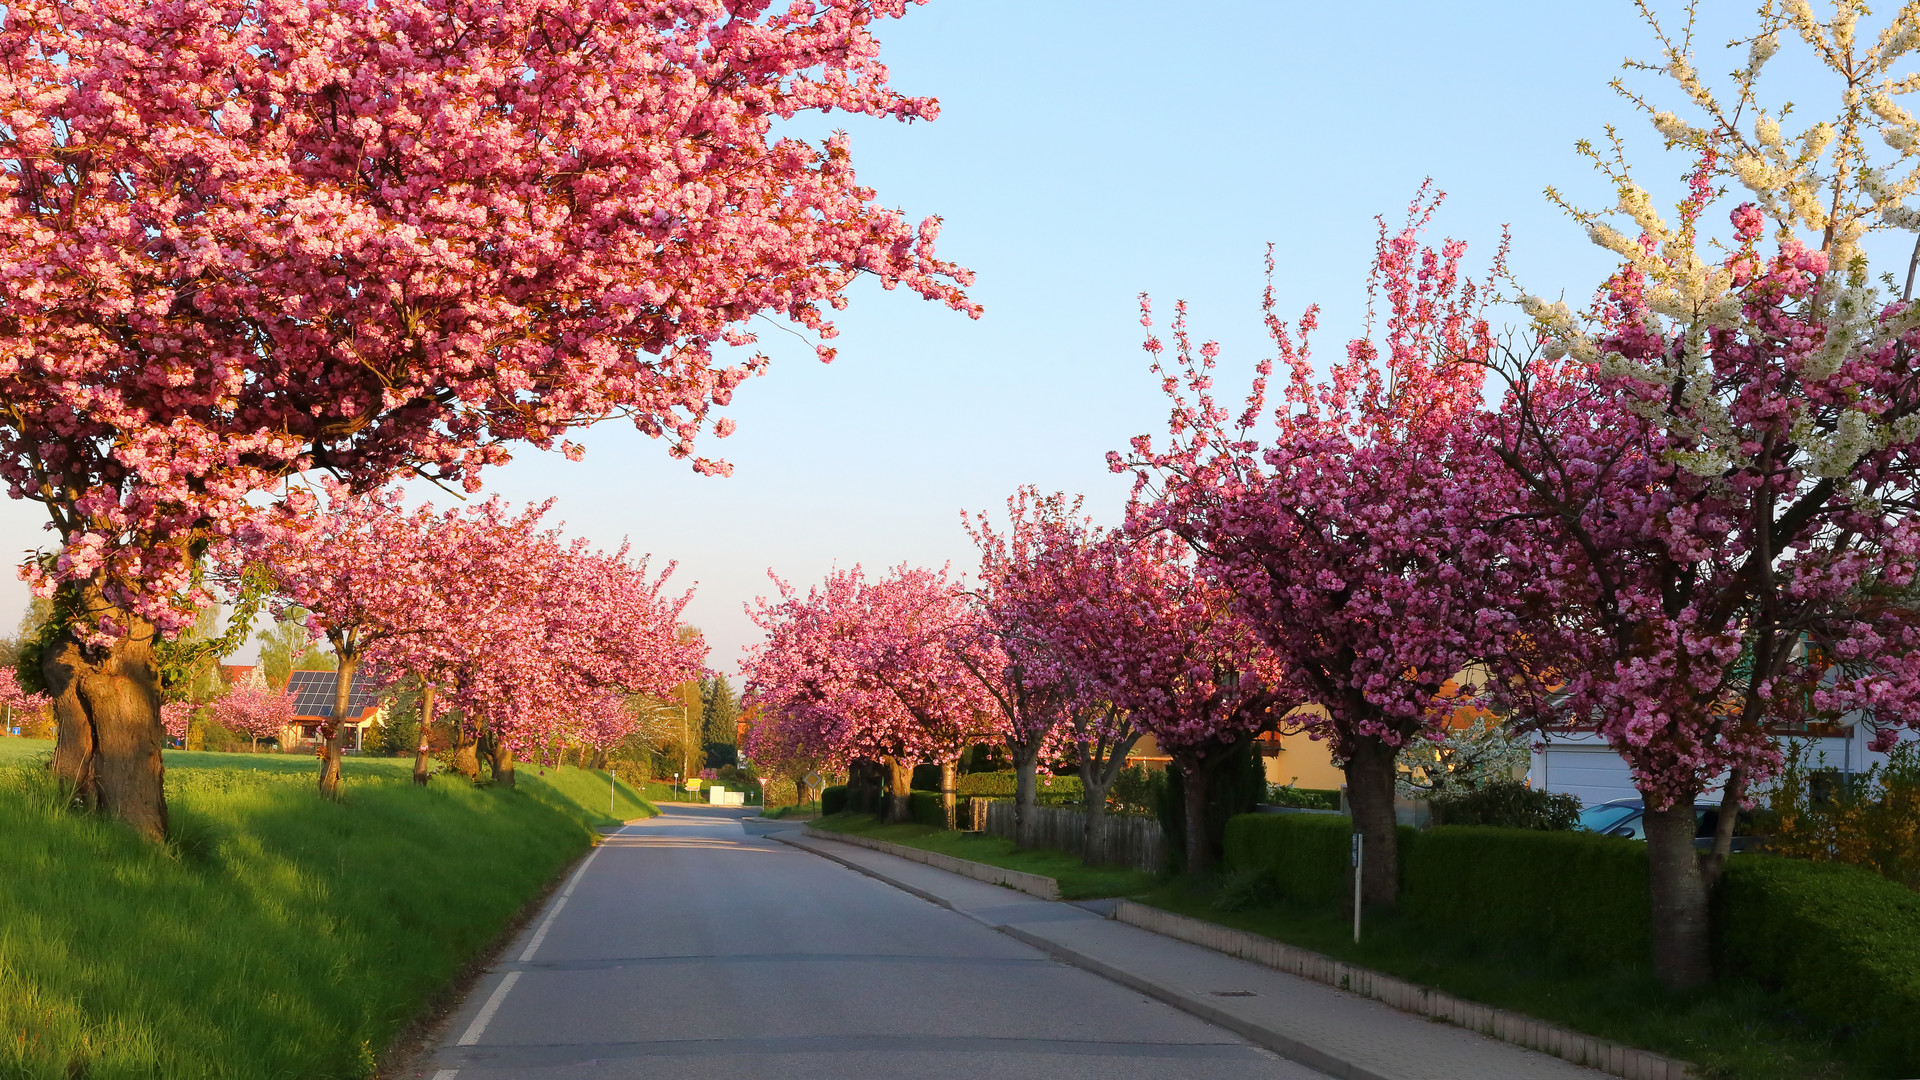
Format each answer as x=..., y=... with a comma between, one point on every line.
x=313, y=694
x=1578, y=761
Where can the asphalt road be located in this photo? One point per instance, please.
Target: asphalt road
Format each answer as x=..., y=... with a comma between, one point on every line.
x=690, y=947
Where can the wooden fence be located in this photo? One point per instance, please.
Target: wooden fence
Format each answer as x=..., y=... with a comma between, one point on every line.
x=1130, y=841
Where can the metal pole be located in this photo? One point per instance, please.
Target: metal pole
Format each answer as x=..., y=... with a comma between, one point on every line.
x=610, y=792
x=1359, y=842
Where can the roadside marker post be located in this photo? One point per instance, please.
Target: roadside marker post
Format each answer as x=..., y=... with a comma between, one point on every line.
x=1358, y=859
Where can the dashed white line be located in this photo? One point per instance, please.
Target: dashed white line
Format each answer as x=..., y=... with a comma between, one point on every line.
x=492, y=1006
x=499, y=995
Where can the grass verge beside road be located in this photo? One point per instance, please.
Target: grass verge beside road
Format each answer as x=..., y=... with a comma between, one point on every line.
x=1078, y=881
x=1731, y=1032
x=277, y=934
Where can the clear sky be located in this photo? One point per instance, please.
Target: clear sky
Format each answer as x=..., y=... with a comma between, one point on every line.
x=1087, y=152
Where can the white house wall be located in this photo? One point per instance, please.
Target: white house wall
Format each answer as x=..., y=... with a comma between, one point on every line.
x=1584, y=766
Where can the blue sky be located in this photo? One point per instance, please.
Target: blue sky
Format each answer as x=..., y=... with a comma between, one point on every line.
x=1087, y=152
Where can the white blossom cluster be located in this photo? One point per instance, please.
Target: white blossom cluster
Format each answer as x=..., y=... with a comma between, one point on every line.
x=1819, y=183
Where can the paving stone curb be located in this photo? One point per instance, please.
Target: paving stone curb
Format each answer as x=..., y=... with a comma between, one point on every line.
x=1045, y=888
x=1512, y=1027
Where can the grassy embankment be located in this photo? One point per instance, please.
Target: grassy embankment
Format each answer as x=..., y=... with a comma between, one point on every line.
x=1078, y=881
x=1731, y=1031
x=277, y=935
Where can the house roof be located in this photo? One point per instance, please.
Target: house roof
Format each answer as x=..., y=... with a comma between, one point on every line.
x=313, y=693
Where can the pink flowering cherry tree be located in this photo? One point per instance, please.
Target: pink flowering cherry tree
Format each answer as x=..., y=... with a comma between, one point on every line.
x=1370, y=542
x=248, y=243
x=810, y=677
x=1042, y=592
x=1723, y=452
x=924, y=643
x=18, y=703
x=177, y=718
x=526, y=633
x=365, y=571
x=253, y=709
x=1159, y=642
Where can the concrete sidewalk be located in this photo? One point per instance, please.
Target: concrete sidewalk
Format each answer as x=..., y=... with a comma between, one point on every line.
x=1337, y=1033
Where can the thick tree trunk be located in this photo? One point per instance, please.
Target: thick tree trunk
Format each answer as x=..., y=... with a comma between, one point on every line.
x=466, y=756
x=336, y=728
x=1370, y=795
x=426, y=733
x=899, y=806
x=500, y=759
x=1682, y=956
x=1026, y=767
x=950, y=792
x=1199, y=851
x=107, y=705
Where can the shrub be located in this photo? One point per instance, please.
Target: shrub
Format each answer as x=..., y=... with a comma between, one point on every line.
x=1507, y=804
x=1840, y=943
x=1578, y=895
x=1303, y=798
x=833, y=800
x=1133, y=790
x=780, y=791
x=1871, y=819
x=926, y=808
x=1307, y=855
x=1246, y=888
x=1235, y=788
x=925, y=777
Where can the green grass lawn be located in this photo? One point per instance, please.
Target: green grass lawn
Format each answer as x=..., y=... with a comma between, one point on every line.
x=277, y=934
x=1078, y=881
x=798, y=812
x=578, y=792
x=1732, y=1032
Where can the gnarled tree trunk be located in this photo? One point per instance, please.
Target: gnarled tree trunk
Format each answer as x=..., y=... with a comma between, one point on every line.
x=1370, y=797
x=1682, y=956
x=426, y=732
x=466, y=755
x=899, y=791
x=107, y=705
x=500, y=759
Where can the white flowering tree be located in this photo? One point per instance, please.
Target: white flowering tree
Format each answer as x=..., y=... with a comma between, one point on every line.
x=1721, y=453
x=1461, y=759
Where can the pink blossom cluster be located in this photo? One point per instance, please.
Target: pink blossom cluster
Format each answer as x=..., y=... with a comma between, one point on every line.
x=244, y=243
x=528, y=636
x=879, y=669
x=1358, y=542
x=1737, y=556
x=253, y=710
x=20, y=703
x=177, y=718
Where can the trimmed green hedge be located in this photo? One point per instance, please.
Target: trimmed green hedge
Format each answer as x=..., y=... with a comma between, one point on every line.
x=1307, y=854
x=925, y=808
x=833, y=800
x=1579, y=895
x=1839, y=942
x=1048, y=789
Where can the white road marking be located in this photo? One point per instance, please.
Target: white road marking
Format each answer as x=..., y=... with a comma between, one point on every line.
x=499, y=995
x=492, y=1006
x=446, y=1074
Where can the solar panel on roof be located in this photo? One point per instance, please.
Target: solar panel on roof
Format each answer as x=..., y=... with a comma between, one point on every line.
x=313, y=692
